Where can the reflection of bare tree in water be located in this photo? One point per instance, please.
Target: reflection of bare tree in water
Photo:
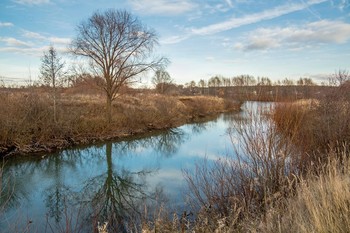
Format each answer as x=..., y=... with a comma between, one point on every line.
x=57, y=194
x=165, y=143
x=12, y=190
x=117, y=197
x=5, y=192
x=198, y=128
x=168, y=142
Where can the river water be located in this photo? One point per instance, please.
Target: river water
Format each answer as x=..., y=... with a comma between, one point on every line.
x=77, y=187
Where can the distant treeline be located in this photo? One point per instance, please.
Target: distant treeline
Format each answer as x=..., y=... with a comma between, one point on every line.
x=247, y=87
x=242, y=87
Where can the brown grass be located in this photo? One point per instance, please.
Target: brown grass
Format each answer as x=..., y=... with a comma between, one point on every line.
x=27, y=125
x=321, y=204
x=317, y=126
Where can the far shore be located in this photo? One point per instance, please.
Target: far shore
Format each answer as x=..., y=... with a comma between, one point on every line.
x=28, y=128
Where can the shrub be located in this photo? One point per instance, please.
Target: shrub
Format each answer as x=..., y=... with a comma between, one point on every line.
x=241, y=187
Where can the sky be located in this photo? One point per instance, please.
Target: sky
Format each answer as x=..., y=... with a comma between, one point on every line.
x=201, y=38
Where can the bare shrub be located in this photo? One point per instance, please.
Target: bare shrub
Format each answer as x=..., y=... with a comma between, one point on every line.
x=318, y=126
x=241, y=187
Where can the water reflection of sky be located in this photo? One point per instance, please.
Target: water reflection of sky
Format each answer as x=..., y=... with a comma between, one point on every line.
x=55, y=179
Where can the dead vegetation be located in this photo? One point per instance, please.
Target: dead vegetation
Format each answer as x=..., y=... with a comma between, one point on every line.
x=27, y=126
x=287, y=173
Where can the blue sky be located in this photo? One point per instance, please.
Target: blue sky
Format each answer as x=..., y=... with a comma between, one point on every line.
x=202, y=38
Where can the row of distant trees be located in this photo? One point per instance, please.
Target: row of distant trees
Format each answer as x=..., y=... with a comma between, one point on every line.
x=165, y=84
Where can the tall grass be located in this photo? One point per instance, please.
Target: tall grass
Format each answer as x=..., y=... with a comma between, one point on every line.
x=321, y=203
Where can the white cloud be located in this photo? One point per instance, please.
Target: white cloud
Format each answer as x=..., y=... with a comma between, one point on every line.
x=38, y=36
x=33, y=35
x=174, y=39
x=218, y=7
x=163, y=7
x=32, y=2
x=245, y=20
x=60, y=40
x=6, y=24
x=261, y=44
x=34, y=43
x=296, y=37
x=254, y=18
x=341, y=4
x=229, y=3
x=32, y=51
x=10, y=41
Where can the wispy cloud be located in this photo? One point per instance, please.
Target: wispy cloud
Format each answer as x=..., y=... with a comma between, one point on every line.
x=341, y=4
x=5, y=24
x=33, y=43
x=162, y=7
x=229, y=3
x=33, y=35
x=174, y=39
x=235, y=22
x=50, y=39
x=10, y=41
x=294, y=37
x=59, y=40
x=31, y=2
x=32, y=51
x=254, y=18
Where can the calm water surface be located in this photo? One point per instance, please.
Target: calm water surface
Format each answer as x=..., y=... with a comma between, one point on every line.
x=117, y=177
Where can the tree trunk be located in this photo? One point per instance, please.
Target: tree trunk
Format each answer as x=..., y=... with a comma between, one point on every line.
x=109, y=109
x=54, y=105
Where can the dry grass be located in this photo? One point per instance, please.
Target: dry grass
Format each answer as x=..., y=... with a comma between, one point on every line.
x=321, y=204
x=27, y=125
x=317, y=126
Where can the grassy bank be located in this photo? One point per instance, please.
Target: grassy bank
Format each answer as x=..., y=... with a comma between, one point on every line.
x=27, y=124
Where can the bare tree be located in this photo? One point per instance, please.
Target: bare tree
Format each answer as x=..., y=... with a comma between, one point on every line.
x=51, y=72
x=202, y=84
x=119, y=48
x=162, y=80
x=305, y=82
x=340, y=77
x=287, y=82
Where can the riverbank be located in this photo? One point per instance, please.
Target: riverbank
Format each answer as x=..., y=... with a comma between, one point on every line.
x=27, y=125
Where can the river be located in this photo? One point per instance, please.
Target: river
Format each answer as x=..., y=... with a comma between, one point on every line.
x=78, y=187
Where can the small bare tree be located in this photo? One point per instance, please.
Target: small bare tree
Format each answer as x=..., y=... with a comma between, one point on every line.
x=340, y=77
x=162, y=80
x=51, y=72
x=119, y=48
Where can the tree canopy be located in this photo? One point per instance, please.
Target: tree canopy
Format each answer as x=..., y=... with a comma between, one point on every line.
x=119, y=48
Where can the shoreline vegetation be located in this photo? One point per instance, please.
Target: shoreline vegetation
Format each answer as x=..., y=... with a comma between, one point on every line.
x=27, y=125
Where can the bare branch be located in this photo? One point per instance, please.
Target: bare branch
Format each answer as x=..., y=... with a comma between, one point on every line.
x=119, y=48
